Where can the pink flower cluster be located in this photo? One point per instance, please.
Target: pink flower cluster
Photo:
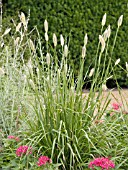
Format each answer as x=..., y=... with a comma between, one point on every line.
x=116, y=106
x=14, y=137
x=43, y=160
x=23, y=150
x=102, y=162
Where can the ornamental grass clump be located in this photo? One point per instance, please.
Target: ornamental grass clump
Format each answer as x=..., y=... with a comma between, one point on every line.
x=42, y=99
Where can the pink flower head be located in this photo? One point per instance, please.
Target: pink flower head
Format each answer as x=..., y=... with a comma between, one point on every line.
x=116, y=106
x=23, y=150
x=14, y=137
x=43, y=160
x=102, y=162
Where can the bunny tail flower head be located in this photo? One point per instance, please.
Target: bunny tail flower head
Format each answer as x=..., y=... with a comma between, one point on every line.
x=46, y=26
x=102, y=41
x=117, y=61
x=23, y=20
x=104, y=87
x=120, y=20
x=104, y=19
x=54, y=40
x=7, y=31
x=85, y=39
x=66, y=50
x=83, y=52
x=62, y=40
x=46, y=36
x=91, y=72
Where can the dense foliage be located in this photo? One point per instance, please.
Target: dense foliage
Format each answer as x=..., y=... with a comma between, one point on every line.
x=74, y=18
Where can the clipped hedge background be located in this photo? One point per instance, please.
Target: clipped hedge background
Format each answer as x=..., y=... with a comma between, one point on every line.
x=74, y=18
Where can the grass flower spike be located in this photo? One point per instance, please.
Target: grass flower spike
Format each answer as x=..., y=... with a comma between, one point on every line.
x=102, y=41
x=62, y=40
x=85, y=40
x=54, y=40
x=83, y=52
x=91, y=72
x=117, y=61
x=104, y=20
x=46, y=26
x=66, y=50
x=120, y=20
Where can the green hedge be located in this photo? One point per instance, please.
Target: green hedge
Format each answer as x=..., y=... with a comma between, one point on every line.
x=74, y=18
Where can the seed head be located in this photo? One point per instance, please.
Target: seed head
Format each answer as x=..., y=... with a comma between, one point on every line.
x=109, y=31
x=48, y=58
x=104, y=87
x=2, y=71
x=18, y=27
x=101, y=39
x=54, y=40
x=85, y=39
x=46, y=26
x=91, y=72
x=62, y=40
x=104, y=20
x=7, y=31
x=46, y=36
x=120, y=21
x=83, y=52
x=66, y=50
x=22, y=18
x=117, y=61
x=16, y=41
x=32, y=45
